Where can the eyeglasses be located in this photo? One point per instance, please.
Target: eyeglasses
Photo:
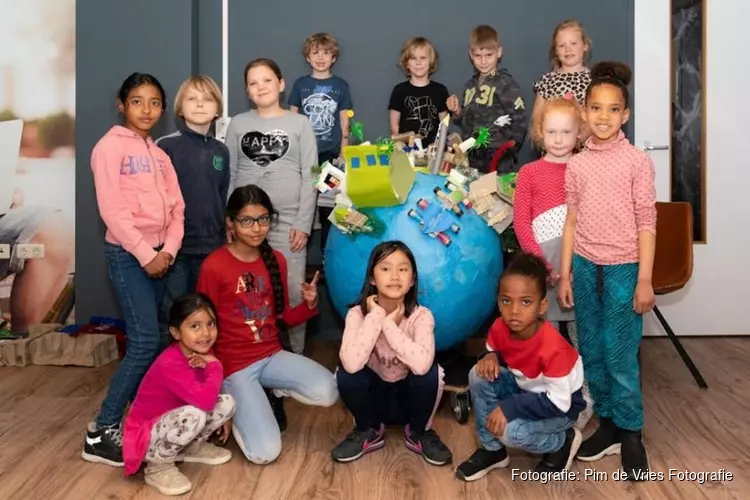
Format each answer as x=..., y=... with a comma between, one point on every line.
x=247, y=221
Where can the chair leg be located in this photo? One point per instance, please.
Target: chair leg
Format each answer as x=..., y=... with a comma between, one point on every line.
x=680, y=350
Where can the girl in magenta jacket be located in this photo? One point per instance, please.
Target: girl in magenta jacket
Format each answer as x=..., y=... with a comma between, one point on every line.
x=178, y=405
x=142, y=208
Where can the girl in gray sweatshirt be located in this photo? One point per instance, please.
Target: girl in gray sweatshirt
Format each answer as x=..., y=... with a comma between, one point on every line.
x=275, y=149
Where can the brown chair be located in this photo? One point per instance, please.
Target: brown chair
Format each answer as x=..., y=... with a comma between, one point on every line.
x=673, y=264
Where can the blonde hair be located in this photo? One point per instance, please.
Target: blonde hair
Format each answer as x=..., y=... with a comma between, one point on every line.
x=408, y=49
x=574, y=25
x=484, y=37
x=323, y=41
x=203, y=84
x=561, y=104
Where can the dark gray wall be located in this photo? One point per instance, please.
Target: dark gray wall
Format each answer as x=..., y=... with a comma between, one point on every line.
x=114, y=39
x=370, y=45
x=175, y=38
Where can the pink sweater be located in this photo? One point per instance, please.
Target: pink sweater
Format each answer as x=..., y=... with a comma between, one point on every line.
x=611, y=188
x=169, y=384
x=138, y=194
x=390, y=350
x=539, y=205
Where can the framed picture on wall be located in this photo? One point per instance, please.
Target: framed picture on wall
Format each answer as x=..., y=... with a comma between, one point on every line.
x=688, y=113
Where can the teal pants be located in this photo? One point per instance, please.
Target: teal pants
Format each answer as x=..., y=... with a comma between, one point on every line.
x=609, y=335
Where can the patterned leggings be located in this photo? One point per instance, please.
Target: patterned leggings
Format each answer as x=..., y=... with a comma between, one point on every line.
x=180, y=427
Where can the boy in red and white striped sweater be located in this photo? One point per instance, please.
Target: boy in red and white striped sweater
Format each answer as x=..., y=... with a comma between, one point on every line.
x=526, y=389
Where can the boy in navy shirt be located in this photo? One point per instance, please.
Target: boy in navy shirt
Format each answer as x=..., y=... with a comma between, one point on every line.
x=325, y=99
x=202, y=165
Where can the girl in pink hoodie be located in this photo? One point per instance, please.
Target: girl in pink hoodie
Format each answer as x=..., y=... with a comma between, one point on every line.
x=388, y=374
x=141, y=205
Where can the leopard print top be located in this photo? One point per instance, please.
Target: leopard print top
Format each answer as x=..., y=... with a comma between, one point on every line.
x=558, y=84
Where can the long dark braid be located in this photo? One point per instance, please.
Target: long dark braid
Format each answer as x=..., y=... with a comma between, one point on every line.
x=272, y=264
x=253, y=195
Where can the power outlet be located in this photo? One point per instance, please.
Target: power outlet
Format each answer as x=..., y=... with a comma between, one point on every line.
x=29, y=251
x=4, y=251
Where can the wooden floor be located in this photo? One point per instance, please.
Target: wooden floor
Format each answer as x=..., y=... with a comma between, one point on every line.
x=44, y=411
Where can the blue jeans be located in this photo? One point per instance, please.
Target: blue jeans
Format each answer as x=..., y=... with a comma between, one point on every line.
x=181, y=279
x=139, y=297
x=254, y=426
x=533, y=436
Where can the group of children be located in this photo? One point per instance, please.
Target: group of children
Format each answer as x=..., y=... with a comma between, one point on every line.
x=222, y=228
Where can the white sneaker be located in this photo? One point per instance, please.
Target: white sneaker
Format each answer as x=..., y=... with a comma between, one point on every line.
x=200, y=452
x=167, y=479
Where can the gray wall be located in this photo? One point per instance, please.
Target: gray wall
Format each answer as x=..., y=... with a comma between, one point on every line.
x=175, y=38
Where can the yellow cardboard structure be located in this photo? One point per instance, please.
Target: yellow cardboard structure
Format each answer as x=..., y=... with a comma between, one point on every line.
x=375, y=178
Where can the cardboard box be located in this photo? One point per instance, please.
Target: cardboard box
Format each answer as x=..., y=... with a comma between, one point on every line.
x=61, y=349
x=18, y=352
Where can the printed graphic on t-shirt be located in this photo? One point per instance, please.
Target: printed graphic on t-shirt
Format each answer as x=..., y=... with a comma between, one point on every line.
x=264, y=149
x=422, y=110
x=254, y=305
x=321, y=108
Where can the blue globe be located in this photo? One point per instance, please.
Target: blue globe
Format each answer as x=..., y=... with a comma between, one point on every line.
x=456, y=282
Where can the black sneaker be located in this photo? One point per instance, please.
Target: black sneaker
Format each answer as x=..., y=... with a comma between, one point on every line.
x=561, y=459
x=605, y=441
x=358, y=443
x=481, y=462
x=634, y=459
x=429, y=445
x=103, y=445
x=277, y=405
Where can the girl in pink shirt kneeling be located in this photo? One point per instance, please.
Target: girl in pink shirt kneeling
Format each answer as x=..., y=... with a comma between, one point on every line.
x=388, y=374
x=178, y=405
x=608, y=247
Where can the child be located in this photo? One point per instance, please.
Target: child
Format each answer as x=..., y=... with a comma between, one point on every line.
x=388, y=373
x=418, y=104
x=245, y=280
x=141, y=204
x=491, y=99
x=325, y=99
x=178, y=405
x=275, y=150
x=608, y=245
x=539, y=205
x=568, y=55
x=526, y=391
x=202, y=165
x=569, y=76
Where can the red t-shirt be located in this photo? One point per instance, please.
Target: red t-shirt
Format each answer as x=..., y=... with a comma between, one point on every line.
x=243, y=296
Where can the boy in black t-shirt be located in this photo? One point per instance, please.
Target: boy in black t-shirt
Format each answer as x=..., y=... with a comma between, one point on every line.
x=418, y=104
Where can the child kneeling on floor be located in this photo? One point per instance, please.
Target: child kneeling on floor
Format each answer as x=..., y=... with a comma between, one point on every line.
x=388, y=374
x=178, y=405
x=527, y=389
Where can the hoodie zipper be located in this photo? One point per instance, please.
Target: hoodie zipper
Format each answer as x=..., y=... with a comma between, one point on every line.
x=161, y=195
